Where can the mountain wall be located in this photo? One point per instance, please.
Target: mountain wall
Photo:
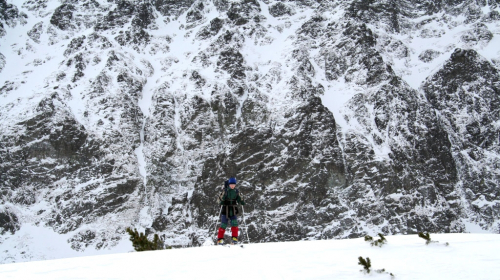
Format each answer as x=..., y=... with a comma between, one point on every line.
x=338, y=118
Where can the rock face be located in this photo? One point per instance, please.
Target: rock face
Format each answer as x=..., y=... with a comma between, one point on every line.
x=2, y=62
x=339, y=118
x=465, y=93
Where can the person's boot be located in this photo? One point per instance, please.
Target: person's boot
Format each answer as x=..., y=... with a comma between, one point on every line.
x=234, y=234
x=221, y=241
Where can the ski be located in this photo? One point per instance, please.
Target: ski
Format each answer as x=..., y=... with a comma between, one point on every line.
x=231, y=245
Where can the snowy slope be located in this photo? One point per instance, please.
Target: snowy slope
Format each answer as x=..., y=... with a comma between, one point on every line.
x=468, y=256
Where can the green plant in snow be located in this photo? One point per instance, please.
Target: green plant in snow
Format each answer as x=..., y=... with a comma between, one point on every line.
x=376, y=242
x=365, y=263
x=141, y=242
x=427, y=238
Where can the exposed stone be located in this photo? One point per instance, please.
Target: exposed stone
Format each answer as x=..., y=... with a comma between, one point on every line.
x=428, y=55
x=232, y=62
x=243, y=11
x=36, y=32
x=172, y=7
x=2, y=62
x=195, y=13
x=120, y=16
x=8, y=14
x=8, y=222
x=62, y=16
x=388, y=157
x=280, y=9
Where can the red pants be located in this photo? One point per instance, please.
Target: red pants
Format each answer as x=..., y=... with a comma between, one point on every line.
x=234, y=232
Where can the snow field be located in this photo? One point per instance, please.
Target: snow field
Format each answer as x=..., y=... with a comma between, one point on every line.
x=469, y=256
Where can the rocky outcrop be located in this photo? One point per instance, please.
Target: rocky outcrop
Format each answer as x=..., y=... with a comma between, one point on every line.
x=240, y=13
x=172, y=8
x=9, y=222
x=63, y=16
x=8, y=13
x=2, y=62
x=465, y=93
x=280, y=9
x=429, y=55
x=142, y=109
x=55, y=150
x=117, y=17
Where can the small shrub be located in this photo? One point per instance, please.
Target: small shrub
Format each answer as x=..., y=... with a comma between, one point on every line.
x=378, y=242
x=428, y=240
x=142, y=243
x=425, y=236
x=365, y=263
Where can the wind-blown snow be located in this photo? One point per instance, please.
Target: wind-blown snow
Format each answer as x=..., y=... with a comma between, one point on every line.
x=469, y=256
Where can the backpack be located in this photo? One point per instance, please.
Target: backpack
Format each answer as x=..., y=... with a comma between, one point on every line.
x=222, y=196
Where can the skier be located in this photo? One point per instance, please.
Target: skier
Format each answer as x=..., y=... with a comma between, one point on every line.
x=229, y=210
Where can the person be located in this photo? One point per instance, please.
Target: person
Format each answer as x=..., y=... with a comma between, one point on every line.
x=229, y=211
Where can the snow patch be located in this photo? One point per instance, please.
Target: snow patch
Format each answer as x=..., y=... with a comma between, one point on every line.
x=468, y=256
x=33, y=242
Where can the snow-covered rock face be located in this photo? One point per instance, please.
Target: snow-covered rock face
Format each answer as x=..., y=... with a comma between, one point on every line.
x=339, y=118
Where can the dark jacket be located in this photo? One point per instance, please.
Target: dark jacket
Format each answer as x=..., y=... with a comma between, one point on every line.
x=231, y=199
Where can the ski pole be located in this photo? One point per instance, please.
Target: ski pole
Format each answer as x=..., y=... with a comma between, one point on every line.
x=217, y=220
x=246, y=227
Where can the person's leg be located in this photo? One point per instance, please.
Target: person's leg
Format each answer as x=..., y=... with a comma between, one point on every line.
x=223, y=227
x=234, y=226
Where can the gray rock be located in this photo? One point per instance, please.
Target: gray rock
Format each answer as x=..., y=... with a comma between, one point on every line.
x=195, y=13
x=63, y=16
x=8, y=13
x=392, y=159
x=212, y=30
x=469, y=83
x=428, y=55
x=145, y=16
x=244, y=11
x=279, y=9
x=120, y=16
x=8, y=222
x=171, y=7
x=36, y=32
x=2, y=62
x=478, y=35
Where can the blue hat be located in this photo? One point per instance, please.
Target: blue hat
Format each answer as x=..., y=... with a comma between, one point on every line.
x=232, y=180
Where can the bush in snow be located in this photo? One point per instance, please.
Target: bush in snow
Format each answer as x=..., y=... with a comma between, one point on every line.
x=376, y=242
x=142, y=243
x=427, y=238
x=366, y=263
